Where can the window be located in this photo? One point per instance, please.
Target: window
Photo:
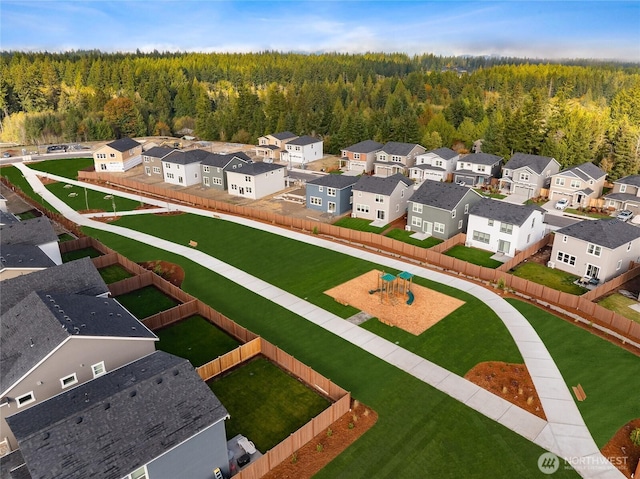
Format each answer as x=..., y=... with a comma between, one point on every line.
x=619, y=264
x=623, y=188
x=481, y=168
x=416, y=221
x=248, y=189
x=321, y=189
x=112, y=155
x=101, y=156
x=98, y=369
x=506, y=228
x=533, y=222
x=140, y=473
x=146, y=159
x=402, y=194
x=234, y=187
x=167, y=166
x=331, y=191
x=438, y=227
x=247, y=179
x=314, y=200
x=564, y=239
x=217, y=181
x=629, y=246
x=593, y=249
x=490, y=222
x=453, y=213
x=206, y=169
x=69, y=380
x=559, y=181
x=524, y=176
x=382, y=157
x=331, y=207
x=466, y=209
x=481, y=237
x=396, y=159
x=460, y=224
x=417, y=208
x=218, y=169
x=103, y=166
x=356, y=156
x=205, y=180
x=379, y=199
x=397, y=208
x=25, y=399
x=575, y=184
x=362, y=208
x=156, y=169
x=566, y=258
x=438, y=162
x=170, y=176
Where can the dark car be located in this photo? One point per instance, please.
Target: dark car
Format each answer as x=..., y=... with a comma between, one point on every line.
x=56, y=148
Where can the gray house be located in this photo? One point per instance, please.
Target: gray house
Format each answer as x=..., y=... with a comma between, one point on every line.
x=381, y=199
x=477, y=169
x=440, y=209
x=330, y=193
x=153, y=417
x=526, y=175
x=215, y=166
x=396, y=157
x=152, y=160
x=625, y=194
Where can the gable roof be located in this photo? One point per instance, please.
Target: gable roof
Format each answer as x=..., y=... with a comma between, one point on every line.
x=9, y=464
x=7, y=218
x=441, y=195
x=283, y=135
x=35, y=231
x=633, y=180
x=41, y=321
x=398, y=148
x=334, y=181
x=381, y=185
x=222, y=160
x=185, y=157
x=585, y=171
x=254, y=169
x=304, y=140
x=159, y=151
x=503, y=211
x=481, y=159
x=444, y=153
x=24, y=256
x=535, y=162
x=117, y=422
x=79, y=277
x=609, y=233
x=366, y=146
x=124, y=144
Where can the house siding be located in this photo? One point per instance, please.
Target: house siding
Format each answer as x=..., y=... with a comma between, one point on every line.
x=388, y=206
x=116, y=160
x=261, y=185
x=189, y=173
x=438, y=215
x=520, y=238
x=341, y=199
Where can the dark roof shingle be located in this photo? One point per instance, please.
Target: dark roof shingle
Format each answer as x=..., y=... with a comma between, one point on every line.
x=35, y=231
x=503, y=211
x=534, y=162
x=304, y=140
x=381, y=185
x=334, y=181
x=441, y=195
x=124, y=144
x=366, y=146
x=398, y=148
x=481, y=159
x=609, y=233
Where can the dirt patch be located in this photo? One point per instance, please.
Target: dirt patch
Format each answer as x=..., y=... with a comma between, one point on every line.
x=511, y=382
x=427, y=309
x=621, y=452
x=326, y=446
x=328, y=163
x=542, y=256
x=47, y=181
x=168, y=271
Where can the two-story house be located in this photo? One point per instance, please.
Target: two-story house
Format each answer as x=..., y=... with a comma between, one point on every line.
x=302, y=150
x=271, y=146
x=215, y=166
x=256, y=180
x=396, y=157
x=119, y=155
x=578, y=184
x=477, y=169
x=525, y=175
x=598, y=249
x=152, y=160
x=182, y=168
x=360, y=157
x=625, y=194
x=440, y=209
x=381, y=199
x=330, y=193
x=434, y=165
x=503, y=227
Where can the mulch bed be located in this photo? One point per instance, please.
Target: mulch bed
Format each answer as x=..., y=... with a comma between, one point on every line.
x=166, y=270
x=621, y=452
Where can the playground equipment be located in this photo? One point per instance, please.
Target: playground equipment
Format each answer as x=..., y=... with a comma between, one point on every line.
x=391, y=287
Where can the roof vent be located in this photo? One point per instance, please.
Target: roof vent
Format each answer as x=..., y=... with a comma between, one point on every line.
x=31, y=342
x=47, y=295
x=110, y=314
x=176, y=372
x=159, y=381
x=133, y=328
x=67, y=317
x=93, y=313
x=45, y=436
x=132, y=394
x=119, y=315
x=107, y=406
x=79, y=420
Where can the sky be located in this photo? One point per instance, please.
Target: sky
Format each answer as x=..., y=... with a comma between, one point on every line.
x=531, y=29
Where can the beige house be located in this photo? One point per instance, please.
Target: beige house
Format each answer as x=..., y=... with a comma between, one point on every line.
x=271, y=146
x=120, y=155
x=395, y=157
x=625, y=194
x=360, y=157
x=577, y=184
x=381, y=199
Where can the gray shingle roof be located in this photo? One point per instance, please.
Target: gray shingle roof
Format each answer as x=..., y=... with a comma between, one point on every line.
x=441, y=195
x=254, y=169
x=113, y=424
x=444, y=153
x=283, y=135
x=220, y=161
x=159, y=151
x=79, y=276
x=334, y=181
x=481, y=159
x=7, y=218
x=609, y=233
x=622, y=197
x=380, y=185
x=10, y=461
x=586, y=171
x=24, y=256
x=304, y=140
x=35, y=231
x=124, y=144
x=41, y=321
x=534, y=162
x=398, y=148
x=366, y=146
x=504, y=212
x=630, y=180
x=186, y=157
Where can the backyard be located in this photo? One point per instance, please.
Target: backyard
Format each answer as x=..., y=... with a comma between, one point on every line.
x=551, y=277
x=147, y=301
x=114, y=273
x=80, y=253
x=358, y=224
x=621, y=305
x=473, y=256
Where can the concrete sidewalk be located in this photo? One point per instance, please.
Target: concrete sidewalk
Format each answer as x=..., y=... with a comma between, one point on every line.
x=564, y=434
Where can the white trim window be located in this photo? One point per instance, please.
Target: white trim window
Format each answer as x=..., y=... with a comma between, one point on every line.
x=379, y=199
x=314, y=200
x=217, y=181
x=559, y=181
x=453, y=213
x=566, y=258
x=98, y=369
x=360, y=208
x=205, y=180
x=460, y=224
x=156, y=169
x=25, y=399
x=331, y=191
x=524, y=176
x=206, y=169
x=481, y=237
x=623, y=188
x=506, y=228
x=619, y=264
x=575, y=184
x=438, y=227
x=416, y=208
x=594, y=249
x=140, y=473
x=466, y=209
x=69, y=380
x=416, y=221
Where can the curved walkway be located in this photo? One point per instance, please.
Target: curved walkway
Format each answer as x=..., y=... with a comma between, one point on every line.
x=564, y=433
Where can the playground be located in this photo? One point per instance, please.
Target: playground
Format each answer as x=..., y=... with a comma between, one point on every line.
x=395, y=300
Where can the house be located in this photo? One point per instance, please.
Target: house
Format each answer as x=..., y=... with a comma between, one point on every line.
x=152, y=160
x=120, y=155
x=577, y=184
x=395, y=157
x=625, y=194
x=502, y=227
x=182, y=168
x=302, y=150
x=215, y=166
x=440, y=209
x=19, y=259
x=151, y=418
x=271, y=146
x=600, y=249
x=256, y=180
x=477, y=169
x=52, y=341
x=381, y=199
x=330, y=193
x=35, y=232
x=360, y=157
x=434, y=165
x=526, y=175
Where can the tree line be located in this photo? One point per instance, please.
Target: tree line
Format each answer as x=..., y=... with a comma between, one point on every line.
x=573, y=111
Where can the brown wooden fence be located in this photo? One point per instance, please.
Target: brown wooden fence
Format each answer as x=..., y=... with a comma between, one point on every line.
x=614, y=283
x=526, y=253
x=227, y=361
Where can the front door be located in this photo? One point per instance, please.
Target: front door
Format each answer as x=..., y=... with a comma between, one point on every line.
x=503, y=246
x=241, y=190
x=427, y=227
x=380, y=214
x=592, y=271
x=147, y=170
x=331, y=207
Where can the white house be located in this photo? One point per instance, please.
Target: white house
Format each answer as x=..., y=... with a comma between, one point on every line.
x=434, y=165
x=182, y=168
x=302, y=150
x=256, y=180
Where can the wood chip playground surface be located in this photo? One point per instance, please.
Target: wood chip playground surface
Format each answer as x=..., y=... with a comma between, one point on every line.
x=427, y=308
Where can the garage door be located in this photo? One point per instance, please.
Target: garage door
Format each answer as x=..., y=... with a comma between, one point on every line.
x=523, y=191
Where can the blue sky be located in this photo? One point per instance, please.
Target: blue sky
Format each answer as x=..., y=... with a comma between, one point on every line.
x=534, y=29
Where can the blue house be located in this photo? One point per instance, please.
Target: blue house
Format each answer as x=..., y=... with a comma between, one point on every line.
x=330, y=193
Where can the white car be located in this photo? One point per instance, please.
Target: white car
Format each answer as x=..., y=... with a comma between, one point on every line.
x=625, y=215
x=562, y=204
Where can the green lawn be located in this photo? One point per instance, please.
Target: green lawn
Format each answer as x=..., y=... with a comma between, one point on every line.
x=65, y=237
x=553, y=278
x=65, y=167
x=195, y=339
x=74, y=196
x=608, y=374
x=265, y=403
x=80, y=253
x=620, y=304
x=358, y=224
x=147, y=301
x=405, y=237
x=28, y=215
x=114, y=273
x=474, y=256
x=14, y=176
x=497, y=196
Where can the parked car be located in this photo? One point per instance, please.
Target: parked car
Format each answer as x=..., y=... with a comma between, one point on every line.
x=562, y=204
x=6, y=154
x=461, y=183
x=625, y=215
x=56, y=148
